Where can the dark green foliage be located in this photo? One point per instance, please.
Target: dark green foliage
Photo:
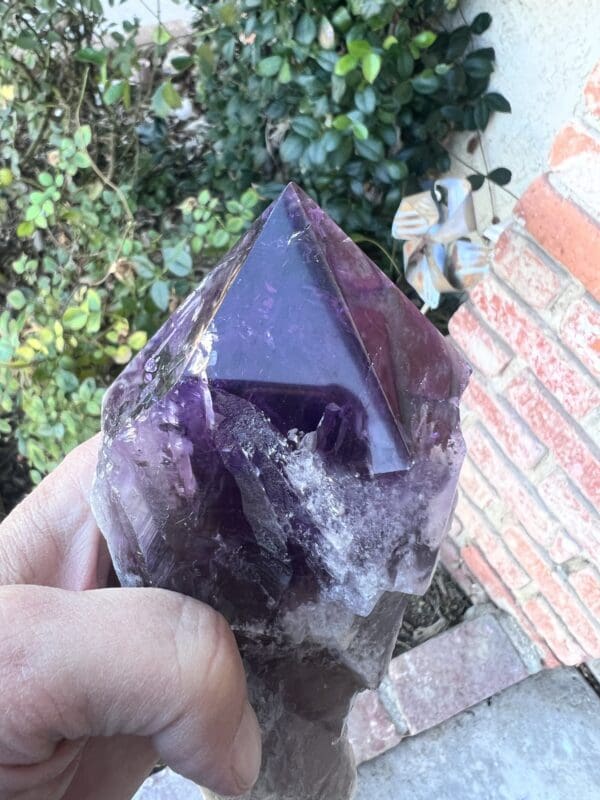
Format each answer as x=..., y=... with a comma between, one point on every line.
x=355, y=102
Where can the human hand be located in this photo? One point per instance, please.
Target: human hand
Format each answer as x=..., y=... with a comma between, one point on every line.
x=97, y=683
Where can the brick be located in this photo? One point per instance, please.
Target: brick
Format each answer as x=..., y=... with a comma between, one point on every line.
x=555, y=591
x=572, y=141
x=517, y=495
x=485, y=351
x=476, y=487
x=587, y=585
x=564, y=231
x=500, y=595
x=577, y=167
x=581, y=521
x=562, y=549
x=558, y=434
x=552, y=364
x=452, y=560
x=525, y=270
x=370, y=729
x=591, y=93
x=454, y=671
x=490, y=544
x=553, y=632
x=580, y=331
x=516, y=440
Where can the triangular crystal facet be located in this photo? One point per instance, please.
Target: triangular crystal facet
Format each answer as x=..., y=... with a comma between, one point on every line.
x=287, y=341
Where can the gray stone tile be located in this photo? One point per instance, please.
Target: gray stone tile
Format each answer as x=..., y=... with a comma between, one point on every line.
x=538, y=740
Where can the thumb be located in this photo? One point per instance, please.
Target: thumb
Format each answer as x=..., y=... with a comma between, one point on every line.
x=142, y=662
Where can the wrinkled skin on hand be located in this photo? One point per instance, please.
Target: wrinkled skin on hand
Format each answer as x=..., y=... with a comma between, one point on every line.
x=98, y=683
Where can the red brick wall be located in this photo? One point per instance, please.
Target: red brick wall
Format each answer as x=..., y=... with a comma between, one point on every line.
x=527, y=530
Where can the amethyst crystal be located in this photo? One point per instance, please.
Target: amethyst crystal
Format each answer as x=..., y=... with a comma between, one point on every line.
x=287, y=448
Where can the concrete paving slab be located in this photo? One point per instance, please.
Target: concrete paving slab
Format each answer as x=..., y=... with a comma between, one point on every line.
x=538, y=740
x=168, y=785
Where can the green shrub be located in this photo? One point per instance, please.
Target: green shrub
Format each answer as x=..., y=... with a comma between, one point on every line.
x=125, y=171
x=356, y=100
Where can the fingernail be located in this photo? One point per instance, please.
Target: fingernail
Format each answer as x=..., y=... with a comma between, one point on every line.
x=247, y=750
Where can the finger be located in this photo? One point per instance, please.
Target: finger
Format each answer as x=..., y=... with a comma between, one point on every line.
x=142, y=662
x=51, y=538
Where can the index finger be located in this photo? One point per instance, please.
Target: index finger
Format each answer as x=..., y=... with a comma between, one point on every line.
x=51, y=537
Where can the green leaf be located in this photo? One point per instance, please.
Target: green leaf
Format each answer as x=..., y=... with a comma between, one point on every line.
x=368, y=8
x=342, y=122
x=366, y=100
x=122, y=354
x=161, y=35
x=481, y=22
x=75, y=318
x=181, y=63
x=25, y=229
x=316, y=153
x=137, y=340
x=292, y=148
x=306, y=30
x=478, y=66
x=307, y=127
x=424, y=39
x=269, y=67
x=66, y=380
x=165, y=99
x=177, y=259
x=45, y=179
x=16, y=299
x=497, y=102
x=360, y=130
x=114, y=92
x=220, y=240
x=93, y=301
x=342, y=19
x=476, y=180
x=326, y=34
x=371, y=149
x=91, y=56
x=371, y=66
x=249, y=199
x=500, y=176
x=82, y=160
x=405, y=64
x=345, y=65
x=83, y=137
x=389, y=42
x=285, y=73
x=481, y=115
x=452, y=113
x=159, y=292
x=426, y=83
x=359, y=48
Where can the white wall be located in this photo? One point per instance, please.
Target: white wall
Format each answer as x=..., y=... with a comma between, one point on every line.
x=545, y=50
x=148, y=11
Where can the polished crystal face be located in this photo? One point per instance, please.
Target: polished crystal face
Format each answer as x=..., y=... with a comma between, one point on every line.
x=287, y=448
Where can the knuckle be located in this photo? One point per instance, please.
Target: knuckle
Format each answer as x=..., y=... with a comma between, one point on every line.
x=22, y=694
x=209, y=661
